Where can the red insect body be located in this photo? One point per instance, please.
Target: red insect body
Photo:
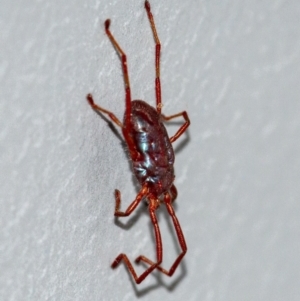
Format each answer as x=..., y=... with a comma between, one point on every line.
x=154, y=165
x=152, y=156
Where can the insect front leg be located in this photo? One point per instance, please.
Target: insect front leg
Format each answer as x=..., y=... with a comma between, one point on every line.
x=123, y=57
x=157, y=57
x=95, y=107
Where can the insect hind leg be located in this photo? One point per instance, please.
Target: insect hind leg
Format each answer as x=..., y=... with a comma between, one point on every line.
x=127, y=262
x=138, y=279
x=180, y=237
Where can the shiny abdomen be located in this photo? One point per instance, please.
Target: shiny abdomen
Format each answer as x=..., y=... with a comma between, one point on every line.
x=156, y=155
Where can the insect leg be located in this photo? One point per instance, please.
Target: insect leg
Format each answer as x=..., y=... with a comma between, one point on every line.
x=90, y=99
x=157, y=57
x=174, y=192
x=122, y=55
x=158, y=252
x=183, y=128
x=180, y=237
x=133, y=205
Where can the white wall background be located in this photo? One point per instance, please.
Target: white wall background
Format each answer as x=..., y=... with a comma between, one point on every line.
x=233, y=65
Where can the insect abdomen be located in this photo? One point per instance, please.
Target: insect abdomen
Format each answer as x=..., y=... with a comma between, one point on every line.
x=156, y=159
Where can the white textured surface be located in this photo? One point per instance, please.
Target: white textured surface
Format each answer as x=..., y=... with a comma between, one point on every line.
x=233, y=65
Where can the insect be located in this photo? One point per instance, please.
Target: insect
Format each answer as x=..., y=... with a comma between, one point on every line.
x=152, y=156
